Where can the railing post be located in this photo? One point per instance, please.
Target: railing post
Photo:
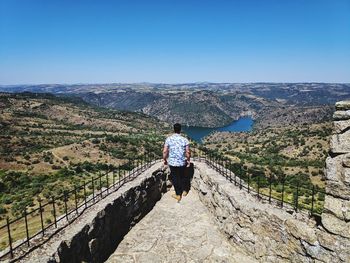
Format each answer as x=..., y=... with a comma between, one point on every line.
x=297, y=198
x=54, y=211
x=107, y=181
x=221, y=163
x=100, y=179
x=270, y=191
x=258, y=186
x=240, y=182
x=313, y=199
x=75, y=199
x=113, y=177
x=248, y=183
x=93, y=188
x=240, y=169
x=119, y=176
x=282, y=192
x=26, y=222
x=65, y=205
x=230, y=165
x=9, y=236
x=85, y=194
x=41, y=218
x=225, y=168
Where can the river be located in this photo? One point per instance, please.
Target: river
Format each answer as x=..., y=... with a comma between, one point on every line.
x=244, y=124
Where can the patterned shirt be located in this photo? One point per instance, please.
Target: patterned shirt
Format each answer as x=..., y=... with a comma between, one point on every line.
x=177, y=149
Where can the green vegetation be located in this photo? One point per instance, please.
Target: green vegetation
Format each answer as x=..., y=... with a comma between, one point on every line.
x=49, y=145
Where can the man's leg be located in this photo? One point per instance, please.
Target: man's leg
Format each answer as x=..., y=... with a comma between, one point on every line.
x=175, y=178
x=186, y=180
x=182, y=179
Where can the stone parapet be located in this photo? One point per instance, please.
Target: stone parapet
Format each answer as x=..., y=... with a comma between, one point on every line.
x=336, y=215
x=96, y=234
x=268, y=233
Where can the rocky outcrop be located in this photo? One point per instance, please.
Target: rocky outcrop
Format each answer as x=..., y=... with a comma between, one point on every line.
x=336, y=216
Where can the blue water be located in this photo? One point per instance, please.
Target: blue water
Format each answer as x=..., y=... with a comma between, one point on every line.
x=243, y=124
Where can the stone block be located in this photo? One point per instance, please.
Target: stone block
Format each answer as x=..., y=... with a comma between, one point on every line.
x=338, y=207
x=338, y=189
x=340, y=126
x=335, y=225
x=334, y=168
x=340, y=143
x=342, y=105
x=346, y=160
x=346, y=176
x=341, y=115
x=301, y=231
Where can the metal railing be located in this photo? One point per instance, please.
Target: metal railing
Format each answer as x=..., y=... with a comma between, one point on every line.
x=49, y=218
x=280, y=192
x=57, y=212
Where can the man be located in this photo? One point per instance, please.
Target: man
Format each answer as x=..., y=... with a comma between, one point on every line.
x=177, y=154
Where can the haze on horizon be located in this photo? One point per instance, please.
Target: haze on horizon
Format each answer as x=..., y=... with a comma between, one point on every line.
x=166, y=42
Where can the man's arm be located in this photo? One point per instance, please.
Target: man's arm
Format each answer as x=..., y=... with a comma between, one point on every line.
x=188, y=155
x=165, y=154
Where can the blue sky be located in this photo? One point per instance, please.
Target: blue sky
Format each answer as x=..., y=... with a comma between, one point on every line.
x=101, y=41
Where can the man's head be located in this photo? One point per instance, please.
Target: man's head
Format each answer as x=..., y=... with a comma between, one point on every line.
x=177, y=127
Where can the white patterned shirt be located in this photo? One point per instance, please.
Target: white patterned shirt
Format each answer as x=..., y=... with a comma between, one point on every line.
x=177, y=149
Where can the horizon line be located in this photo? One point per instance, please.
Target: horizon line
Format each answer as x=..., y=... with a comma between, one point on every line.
x=171, y=83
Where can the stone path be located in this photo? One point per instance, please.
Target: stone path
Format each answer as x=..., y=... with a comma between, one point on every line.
x=177, y=232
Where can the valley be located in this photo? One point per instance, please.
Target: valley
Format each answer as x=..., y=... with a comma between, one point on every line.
x=55, y=137
x=218, y=103
x=50, y=144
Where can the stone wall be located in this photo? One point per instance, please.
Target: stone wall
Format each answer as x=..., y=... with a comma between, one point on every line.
x=97, y=239
x=336, y=217
x=265, y=231
x=272, y=234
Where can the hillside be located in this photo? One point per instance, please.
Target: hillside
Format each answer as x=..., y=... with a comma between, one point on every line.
x=49, y=144
x=218, y=103
x=296, y=152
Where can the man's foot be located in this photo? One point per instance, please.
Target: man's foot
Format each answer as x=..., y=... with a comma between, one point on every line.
x=177, y=197
x=184, y=193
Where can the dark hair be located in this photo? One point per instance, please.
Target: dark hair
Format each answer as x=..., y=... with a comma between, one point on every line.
x=177, y=127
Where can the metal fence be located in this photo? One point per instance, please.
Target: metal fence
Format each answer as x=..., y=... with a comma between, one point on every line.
x=47, y=217
x=59, y=211
x=280, y=192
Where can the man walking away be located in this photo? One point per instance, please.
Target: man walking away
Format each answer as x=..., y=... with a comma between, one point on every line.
x=177, y=154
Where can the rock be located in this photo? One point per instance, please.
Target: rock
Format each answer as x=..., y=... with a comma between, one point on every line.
x=338, y=207
x=334, y=168
x=340, y=143
x=301, y=231
x=346, y=176
x=340, y=126
x=335, y=225
x=346, y=160
x=328, y=241
x=120, y=258
x=341, y=115
x=342, y=105
x=318, y=252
